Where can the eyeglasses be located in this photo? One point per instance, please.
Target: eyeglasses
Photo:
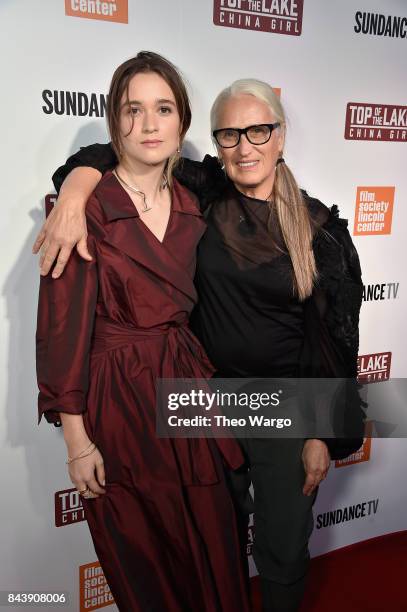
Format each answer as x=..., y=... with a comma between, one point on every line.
x=255, y=134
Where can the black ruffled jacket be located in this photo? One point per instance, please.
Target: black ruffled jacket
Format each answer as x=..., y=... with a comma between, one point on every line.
x=331, y=314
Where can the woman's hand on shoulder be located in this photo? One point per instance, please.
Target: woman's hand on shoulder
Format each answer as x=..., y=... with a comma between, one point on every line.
x=64, y=229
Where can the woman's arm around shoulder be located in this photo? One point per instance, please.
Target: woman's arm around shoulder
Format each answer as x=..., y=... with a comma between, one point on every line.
x=65, y=227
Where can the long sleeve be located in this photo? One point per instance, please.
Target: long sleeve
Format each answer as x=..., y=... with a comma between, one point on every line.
x=341, y=281
x=333, y=349
x=98, y=156
x=65, y=319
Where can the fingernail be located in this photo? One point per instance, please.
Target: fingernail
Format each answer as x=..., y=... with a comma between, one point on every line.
x=103, y=483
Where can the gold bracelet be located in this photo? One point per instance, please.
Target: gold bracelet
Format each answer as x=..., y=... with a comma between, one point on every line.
x=80, y=454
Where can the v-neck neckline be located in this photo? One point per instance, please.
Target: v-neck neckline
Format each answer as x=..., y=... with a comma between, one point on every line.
x=145, y=226
x=166, y=227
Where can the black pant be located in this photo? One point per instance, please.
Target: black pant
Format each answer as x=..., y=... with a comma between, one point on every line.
x=282, y=517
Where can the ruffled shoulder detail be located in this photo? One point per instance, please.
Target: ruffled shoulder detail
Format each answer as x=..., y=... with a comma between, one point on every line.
x=319, y=213
x=340, y=279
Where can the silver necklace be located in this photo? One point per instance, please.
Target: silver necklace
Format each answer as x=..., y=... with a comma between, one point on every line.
x=146, y=208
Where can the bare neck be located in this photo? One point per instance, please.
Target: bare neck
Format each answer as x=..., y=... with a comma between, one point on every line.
x=260, y=192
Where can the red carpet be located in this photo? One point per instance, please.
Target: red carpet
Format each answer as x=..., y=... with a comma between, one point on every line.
x=369, y=576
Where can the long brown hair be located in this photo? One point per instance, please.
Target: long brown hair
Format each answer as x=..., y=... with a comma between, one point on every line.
x=292, y=212
x=147, y=61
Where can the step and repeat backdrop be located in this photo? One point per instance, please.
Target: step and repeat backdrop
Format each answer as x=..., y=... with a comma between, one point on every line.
x=341, y=71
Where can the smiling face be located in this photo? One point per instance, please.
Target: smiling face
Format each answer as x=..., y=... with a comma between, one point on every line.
x=250, y=167
x=149, y=121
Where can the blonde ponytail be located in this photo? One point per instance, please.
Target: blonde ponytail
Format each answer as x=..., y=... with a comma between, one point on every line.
x=295, y=225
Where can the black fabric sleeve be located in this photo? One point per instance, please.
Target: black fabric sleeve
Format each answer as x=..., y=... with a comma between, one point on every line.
x=205, y=179
x=98, y=156
x=332, y=328
x=341, y=280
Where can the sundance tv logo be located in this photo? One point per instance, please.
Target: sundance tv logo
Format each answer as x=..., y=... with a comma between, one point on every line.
x=363, y=454
x=349, y=513
x=382, y=291
x=106, y=10
x=375, y=122
x=374, y=367
x=94, y=592
x=276, y=16
x=374, y=210
x=68, y=508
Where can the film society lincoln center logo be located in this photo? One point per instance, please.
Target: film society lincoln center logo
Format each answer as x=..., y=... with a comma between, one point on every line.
x=276, y=16
x=94, y=592
x=373, y=211
x=362, y=454
x=105, y=10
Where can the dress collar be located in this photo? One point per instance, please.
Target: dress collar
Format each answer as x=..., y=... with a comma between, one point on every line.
x=117, y=204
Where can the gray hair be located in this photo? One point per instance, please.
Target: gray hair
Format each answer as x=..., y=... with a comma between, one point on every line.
x=259, y=89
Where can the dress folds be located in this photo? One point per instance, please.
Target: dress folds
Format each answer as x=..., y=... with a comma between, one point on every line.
x=165, y=531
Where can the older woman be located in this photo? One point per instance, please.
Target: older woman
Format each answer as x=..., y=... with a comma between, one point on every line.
x=279, y=289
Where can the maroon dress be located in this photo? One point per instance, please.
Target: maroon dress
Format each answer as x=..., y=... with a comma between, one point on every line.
x=165, y=531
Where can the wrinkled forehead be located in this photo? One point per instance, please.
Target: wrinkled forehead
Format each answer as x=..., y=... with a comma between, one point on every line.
x=243, y=110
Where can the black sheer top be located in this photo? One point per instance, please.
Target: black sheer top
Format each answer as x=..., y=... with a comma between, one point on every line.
x=247, y=317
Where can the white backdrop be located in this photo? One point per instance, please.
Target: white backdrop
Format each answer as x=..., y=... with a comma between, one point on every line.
x=320, y=72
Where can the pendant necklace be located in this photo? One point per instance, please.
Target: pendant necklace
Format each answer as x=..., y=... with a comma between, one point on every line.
x=146, y=208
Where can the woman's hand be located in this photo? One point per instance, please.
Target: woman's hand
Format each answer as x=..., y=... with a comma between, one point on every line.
x=88, y=472
x=64, y=228
x=316, y=460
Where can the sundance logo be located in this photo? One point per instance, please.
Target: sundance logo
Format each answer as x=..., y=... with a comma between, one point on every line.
x=384, y=291
x=375, y=122
x=363, y=454
x=374, y=367
x=277, y=16
x=380, y=25
x=68, y=508
x=106, y=10
x=74, y=103
x=349, y=513
x=374, y=210
x=94, y=592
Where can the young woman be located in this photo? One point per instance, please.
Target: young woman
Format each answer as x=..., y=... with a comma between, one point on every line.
x=159, y=511
x=280, y=290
